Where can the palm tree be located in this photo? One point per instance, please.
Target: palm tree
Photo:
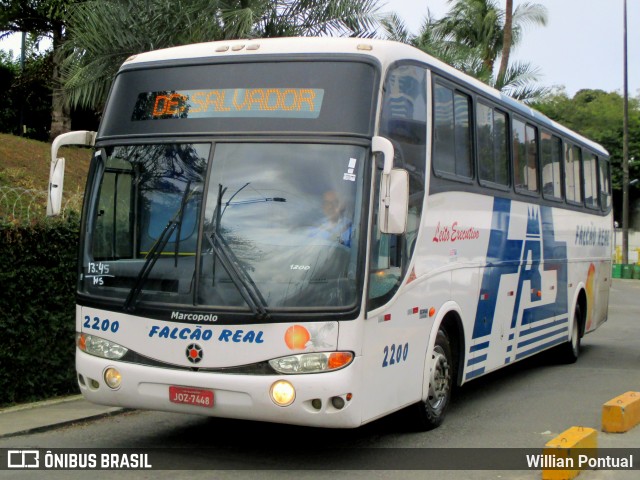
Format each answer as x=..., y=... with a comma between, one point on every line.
x=507, y=40
x=103, y=33
x=473, y=35
x=482, y=25
x=475, y=24
x=42, y=18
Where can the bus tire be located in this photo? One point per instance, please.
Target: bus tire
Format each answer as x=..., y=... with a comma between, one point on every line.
x=569, y=351
x=430, y=413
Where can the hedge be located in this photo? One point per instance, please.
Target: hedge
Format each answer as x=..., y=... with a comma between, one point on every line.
x=38, y=268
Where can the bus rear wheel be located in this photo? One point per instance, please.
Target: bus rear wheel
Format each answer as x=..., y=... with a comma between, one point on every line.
x=569, y=351
x=429, y=413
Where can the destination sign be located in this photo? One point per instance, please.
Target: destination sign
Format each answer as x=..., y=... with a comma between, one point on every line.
x=230, y=103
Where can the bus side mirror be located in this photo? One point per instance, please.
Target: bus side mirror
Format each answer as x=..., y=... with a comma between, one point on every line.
x=385, y=147
x=394, y=202
x=56, y=171
x=56, y=180
x=394, y=190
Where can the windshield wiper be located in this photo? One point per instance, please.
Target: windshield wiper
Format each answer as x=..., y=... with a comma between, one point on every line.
x=238, y=274
x=158, y=248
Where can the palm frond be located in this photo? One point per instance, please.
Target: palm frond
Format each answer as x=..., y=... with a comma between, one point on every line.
x=520, y=82
x=395, y=29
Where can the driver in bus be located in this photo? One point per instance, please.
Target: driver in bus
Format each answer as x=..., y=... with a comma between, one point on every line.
x=336, y=225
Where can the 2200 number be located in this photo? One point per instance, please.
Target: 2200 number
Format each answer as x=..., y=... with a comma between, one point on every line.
x=395, y=354
x=101, y=325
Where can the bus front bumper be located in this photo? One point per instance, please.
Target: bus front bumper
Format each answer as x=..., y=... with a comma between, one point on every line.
x=234, y=396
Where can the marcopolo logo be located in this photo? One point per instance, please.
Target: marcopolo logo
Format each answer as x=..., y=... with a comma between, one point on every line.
x=194, y=317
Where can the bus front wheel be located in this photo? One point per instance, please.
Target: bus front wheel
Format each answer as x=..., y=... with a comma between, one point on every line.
x=430, y=413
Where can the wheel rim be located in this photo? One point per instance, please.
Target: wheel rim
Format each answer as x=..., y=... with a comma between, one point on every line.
x=440, y=379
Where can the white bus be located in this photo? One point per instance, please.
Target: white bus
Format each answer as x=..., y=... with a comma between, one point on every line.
x=321, y=231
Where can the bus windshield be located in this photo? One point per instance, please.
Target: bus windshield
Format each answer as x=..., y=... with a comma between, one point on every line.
x=276, y=226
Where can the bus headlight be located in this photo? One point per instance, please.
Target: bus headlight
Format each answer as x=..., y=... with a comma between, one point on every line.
x=99, y=346
x=311, y=362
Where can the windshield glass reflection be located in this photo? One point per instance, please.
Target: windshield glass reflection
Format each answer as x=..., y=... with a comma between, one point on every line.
x=288, y=213
x=279, y=228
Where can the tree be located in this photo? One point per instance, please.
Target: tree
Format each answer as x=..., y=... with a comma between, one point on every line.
x=42, y=18
x=106, y=32
x=9, y=70
x=597, y=115
x=507, y=40
x=26, y=89
x=472, y=35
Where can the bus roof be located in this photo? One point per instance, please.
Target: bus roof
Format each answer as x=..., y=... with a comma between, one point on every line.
x=384, y=51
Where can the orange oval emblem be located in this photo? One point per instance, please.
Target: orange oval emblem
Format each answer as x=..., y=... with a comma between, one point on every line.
x=296, y=337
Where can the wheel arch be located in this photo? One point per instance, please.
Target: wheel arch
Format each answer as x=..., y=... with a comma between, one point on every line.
x=449, y=318
x=581, y=302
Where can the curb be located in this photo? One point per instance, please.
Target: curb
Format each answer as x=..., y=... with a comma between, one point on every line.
x=65, y=423
x=42, y=403
x=24, y=410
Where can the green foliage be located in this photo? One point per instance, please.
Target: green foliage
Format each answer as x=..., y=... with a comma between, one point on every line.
x=104, y=33
x=28, y=89
x=38, y=268
x=9, y=69
x=598, y=116
x=470, y=38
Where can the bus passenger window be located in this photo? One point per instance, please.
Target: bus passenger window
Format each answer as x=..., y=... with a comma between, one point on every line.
x=551, y=154
x=572, y=161
x=493, y=152
x=605, y=185
x=590, y=181
x=525, y=157
x=452, y=134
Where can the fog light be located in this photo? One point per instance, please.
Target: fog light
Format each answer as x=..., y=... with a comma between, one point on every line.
x=113, y=378
x=316, y=403
x=337, y=402
x=282, y=393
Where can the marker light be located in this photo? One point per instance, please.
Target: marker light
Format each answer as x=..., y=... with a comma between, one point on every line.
x=282, y=393
x=99, y=346
x=112, y=378
x=311, y=362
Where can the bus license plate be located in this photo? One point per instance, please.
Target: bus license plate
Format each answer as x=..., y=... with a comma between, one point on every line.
x=191, y=396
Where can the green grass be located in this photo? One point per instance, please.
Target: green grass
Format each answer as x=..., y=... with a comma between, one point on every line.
x=24, y=165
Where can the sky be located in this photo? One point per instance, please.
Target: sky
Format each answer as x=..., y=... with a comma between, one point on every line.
x=581, y=46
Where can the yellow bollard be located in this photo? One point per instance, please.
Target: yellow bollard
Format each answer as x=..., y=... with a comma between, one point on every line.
x=622, y=413
x=565, y=450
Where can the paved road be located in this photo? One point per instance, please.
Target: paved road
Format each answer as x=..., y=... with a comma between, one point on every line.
x=523, y=406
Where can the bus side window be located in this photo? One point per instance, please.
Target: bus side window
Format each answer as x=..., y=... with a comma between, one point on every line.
x=525, y=157
x=572, y=162
x=551, y=155
x=605, y=185
x=493, y=149
x=590, y=180
x=452, y=154
x=113, y=214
